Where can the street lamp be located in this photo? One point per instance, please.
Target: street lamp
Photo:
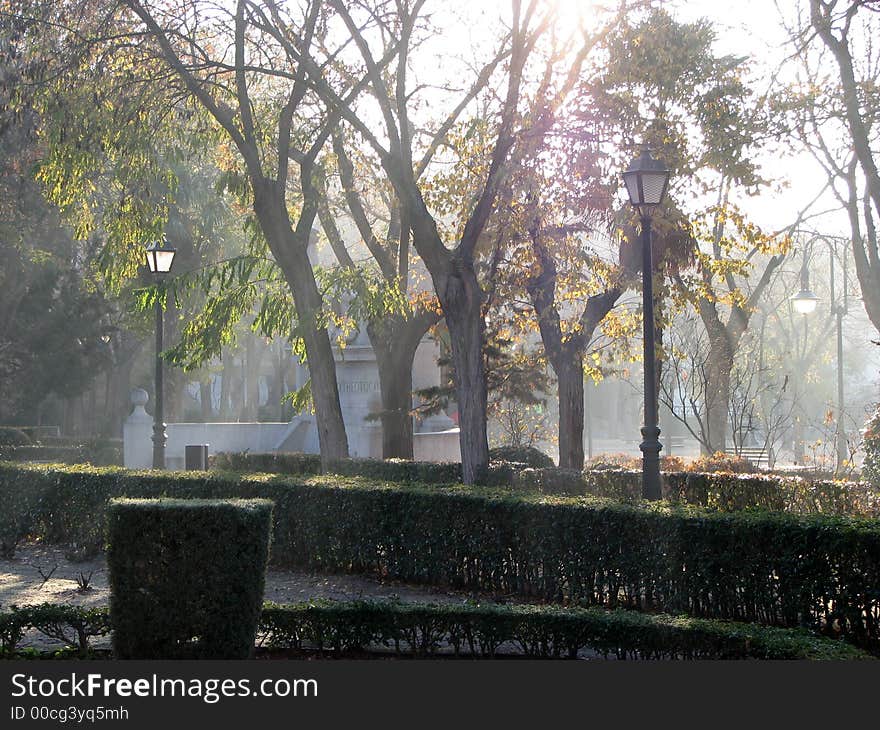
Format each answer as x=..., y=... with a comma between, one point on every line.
x=160, y=257
x=804, y=302
x=646, y=181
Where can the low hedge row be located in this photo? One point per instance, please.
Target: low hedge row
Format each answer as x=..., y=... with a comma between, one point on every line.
x=536, y=631
x=716, y=490
x=392, y=470
x=105, y=455
x=420, y=629
x=186, y=576
x=772, y=568
x=719, y=490
x=75, y=627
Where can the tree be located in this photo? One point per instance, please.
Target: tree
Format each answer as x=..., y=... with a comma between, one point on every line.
x=834, y=116
x=268, y=125
x=723, y=287
x=257, y=104
x=396, y=315
x=452, y=270
x=54, y=315
x=663, y=82
x=554, y=209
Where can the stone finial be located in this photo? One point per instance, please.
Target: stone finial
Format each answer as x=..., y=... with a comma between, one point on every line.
x=139, y=398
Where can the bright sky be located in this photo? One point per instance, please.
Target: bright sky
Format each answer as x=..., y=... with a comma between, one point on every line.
x=743, y=27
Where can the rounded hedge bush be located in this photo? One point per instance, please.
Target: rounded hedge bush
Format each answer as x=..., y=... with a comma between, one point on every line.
x=528, y=455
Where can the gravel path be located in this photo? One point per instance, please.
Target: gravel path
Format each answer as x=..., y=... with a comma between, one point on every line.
x=41, y=573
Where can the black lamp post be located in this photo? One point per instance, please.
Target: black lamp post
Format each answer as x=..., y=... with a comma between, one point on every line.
x=160, y=257
x=646, y=180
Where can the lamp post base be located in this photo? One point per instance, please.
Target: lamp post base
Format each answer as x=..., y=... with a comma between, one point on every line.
x=650, y=447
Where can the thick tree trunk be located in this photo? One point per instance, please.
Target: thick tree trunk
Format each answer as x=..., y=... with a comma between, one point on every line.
x=461, y=298
x=570, y=377
x=290, y=254
x=720, y=364
x=395, y=382
x=395, y=342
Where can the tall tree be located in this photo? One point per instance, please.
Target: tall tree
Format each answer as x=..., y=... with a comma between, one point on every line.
x=452, y=269
x=397, y=314
x=260, y=100
x=664, y=84
x=834, y=115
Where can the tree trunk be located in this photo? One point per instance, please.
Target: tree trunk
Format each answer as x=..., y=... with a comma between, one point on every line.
x=395, y=382
x=720, y=364
x=570, y=377
x=253, y=359
x=227, y=378
x=206, y=398
x=290, y=253
x=395, y=342
x=461, y=298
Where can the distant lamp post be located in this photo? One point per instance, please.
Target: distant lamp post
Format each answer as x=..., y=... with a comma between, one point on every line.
x=646, y=181
x=805, y=302
x=160, y=257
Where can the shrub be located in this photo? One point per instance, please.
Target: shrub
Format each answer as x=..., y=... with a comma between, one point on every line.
x=186, y=576
x=871, y=465
x=773, y=568
x=536, y=631
x=422, y=629
x=719, y=461
x=528, y=455
x=73, y=626
x=395, y=470
x=671, y=463
x=22, y=507
x=613, y=461
x=98, y=452
x=10, y=436
x=276, y=463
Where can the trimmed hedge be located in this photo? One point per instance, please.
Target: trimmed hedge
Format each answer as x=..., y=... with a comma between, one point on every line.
x=420, y=629
x=186, y=576
x=528, y=455
x=715, y=490
x=392, y=470
x=74, y=626
x=104, y=453
x=772, y=568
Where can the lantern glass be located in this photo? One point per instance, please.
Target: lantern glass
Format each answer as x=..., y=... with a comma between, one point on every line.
x=805, y=302
x=160, y=257
x=646, y=181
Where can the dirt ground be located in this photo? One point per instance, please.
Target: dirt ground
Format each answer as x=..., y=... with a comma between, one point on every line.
x=41, y=573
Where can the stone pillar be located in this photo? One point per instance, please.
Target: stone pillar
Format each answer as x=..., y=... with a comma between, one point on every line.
x=426, y=373
x=137, y=432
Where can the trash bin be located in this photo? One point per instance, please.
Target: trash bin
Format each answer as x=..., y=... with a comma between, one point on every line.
x=196, y=457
